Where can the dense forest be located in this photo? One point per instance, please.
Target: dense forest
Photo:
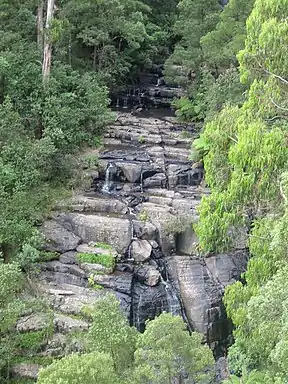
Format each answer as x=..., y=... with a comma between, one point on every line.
x=59, y=60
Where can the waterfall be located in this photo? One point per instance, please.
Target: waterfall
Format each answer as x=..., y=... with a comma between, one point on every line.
x=110, y=171
x=141, y=180
x=125, y=102
x=173, y=302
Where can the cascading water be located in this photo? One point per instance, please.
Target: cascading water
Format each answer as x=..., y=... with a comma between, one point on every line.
x=110, y=172
x=125, y=102
x=173, y=302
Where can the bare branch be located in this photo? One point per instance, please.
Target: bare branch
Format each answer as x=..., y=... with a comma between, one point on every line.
x=283, y=194
x=231, y=138
x=277, y=76
x=278, y=106
x=277, y=117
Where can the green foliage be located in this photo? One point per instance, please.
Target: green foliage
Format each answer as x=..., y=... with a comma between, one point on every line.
x=91, y=282
x=243, y=168
x=110, y=333
x=221, y=45
x=31, y=341
x=40, y=360
x=204, y=60
x=246, y=168
x=93, y=258
x=12, y=282
x=195, y=20
x=91, y=161
x=179, y=224
x=47, y=256
x=166, y=351
x=141, y=139
x=96, y=367
x=143, y=216
x=112, y=40
x=185, y=110
x=103, y=245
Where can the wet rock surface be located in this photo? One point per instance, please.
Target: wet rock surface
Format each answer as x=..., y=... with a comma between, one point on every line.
x=142, y=203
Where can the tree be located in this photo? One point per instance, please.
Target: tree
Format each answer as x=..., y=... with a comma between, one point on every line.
x=261, y=342
x=47, y=51
x=12, y=282
x=111, y=333
x=23, y=181
x=166, y=351
x=263, y=62
x=195, y=20
x=89, y=368
x=246, y=160
x=221, y=45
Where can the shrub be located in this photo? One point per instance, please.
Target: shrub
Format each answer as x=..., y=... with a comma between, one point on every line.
x=94, y=258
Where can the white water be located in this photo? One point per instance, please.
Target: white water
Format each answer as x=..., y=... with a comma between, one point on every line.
x=108, y=180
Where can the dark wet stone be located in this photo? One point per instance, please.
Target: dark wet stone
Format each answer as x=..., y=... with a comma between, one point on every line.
x=68, y=258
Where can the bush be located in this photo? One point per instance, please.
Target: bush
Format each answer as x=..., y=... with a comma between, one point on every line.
x=94, y=258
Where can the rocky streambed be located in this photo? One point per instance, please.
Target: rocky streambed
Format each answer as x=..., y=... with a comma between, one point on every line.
x=142, y=203
x=139, y=212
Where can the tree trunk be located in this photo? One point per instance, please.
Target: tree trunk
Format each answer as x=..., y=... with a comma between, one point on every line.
x=47, y=54
x=6, y=251
x=94, y=57
x=40, y=25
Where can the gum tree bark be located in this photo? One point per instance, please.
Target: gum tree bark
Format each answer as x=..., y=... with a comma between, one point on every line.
x=47, y=53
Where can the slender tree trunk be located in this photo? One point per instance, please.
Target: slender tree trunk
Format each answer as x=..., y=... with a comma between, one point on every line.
x=70, y=50
x=94, y=57
x=40, y=26
x=6, y=251
x=47, y=54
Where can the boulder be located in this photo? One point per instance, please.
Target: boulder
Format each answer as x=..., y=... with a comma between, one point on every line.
x=187, y=241
x=57, y=266
x=58, y=238
x=97, y=228
x=227, y=268
x=202, y=298
x=32, y=323
x=95, y=249
x=149, y=302
x=90, y=268
x=160, y=216
x=174, y=173
x=68, y=258
x=91, y=204
x=148, y=274
x=158, y=180
x=145, y=230
x=140, y=250
x=25, y=370
x=120, y=282
x=221, y=370
x=56, y=347
x=63, y=278
x=123, y=155
x=66, y=324
x=69, y=299
x=131, y=171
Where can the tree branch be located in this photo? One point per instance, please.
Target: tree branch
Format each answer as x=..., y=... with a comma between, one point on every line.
x=231, y=138
x=283, y=194
x=277, y=76
x=278, y=106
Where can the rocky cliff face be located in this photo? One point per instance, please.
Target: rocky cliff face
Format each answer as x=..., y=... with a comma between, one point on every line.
x=142, y=202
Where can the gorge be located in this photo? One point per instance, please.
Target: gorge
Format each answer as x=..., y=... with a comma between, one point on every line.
x=145, y=185
x=143, y=175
